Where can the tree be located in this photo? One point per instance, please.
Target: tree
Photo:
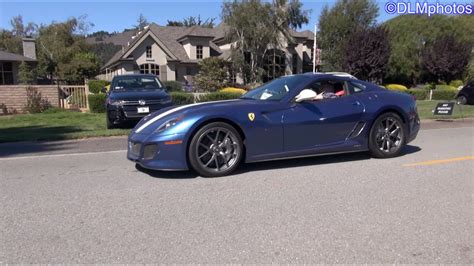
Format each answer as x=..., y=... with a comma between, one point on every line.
x=337, y=23
x=446, y=58
x=255, y=27
x=11, y=41
x=83, y=65
x=26, y=74
x=366, y=53
x=193, y=21
x=141, y=22
x=213, y=74
x=409, y=35
x=58, y=43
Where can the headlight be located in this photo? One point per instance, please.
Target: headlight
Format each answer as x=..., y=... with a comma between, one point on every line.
x=170, y=123
x=115, y=102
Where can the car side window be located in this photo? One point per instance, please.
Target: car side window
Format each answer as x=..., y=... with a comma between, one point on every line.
x=328, y=89
x=357, y=87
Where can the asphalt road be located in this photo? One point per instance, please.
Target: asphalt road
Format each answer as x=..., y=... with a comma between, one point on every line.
x=70, y=206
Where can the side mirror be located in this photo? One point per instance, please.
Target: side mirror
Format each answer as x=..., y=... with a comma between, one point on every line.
x=167, y=88
x=305, y=95
x=103, y=90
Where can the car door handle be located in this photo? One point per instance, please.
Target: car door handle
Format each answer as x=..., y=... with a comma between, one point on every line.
x=356, y=103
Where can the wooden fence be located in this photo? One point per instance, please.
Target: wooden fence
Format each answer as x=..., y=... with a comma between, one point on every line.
x=73, y=97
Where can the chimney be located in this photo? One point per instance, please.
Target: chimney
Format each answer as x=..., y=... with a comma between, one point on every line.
x=29, y=48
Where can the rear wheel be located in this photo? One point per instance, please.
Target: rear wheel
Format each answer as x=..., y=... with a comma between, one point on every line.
x=215, y=150
x=387, y=136
x=461, y=100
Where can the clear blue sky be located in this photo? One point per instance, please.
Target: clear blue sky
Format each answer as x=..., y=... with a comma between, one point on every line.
x=118, y=15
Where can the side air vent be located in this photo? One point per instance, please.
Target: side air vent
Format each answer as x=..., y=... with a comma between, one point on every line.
x=357, y=130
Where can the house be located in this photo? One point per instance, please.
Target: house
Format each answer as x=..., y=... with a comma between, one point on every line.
x=10, y=62
x=173, y=53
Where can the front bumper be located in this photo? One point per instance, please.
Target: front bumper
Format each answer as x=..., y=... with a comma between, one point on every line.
x=157, y=152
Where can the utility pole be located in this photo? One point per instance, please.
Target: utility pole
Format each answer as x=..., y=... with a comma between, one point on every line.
x=315, y=47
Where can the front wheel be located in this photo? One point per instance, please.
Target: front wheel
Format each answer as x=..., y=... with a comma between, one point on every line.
x=215, y=150
x=110, y=125
x=461, y=100
x=387, y=136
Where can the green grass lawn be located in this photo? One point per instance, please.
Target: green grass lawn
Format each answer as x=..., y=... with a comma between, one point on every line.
x=55, y=126
x=425, y=109
x=58, y=125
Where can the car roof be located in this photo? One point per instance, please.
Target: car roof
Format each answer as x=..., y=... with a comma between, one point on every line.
x=329, y=75
x=136, y=75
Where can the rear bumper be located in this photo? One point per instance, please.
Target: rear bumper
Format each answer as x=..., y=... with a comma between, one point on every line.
x=158, y=152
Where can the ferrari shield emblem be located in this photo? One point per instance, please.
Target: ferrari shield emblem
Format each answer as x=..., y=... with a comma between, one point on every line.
x=251, y=116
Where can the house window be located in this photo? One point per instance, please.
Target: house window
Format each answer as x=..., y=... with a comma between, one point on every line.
x=148, y=52
x=150, y=69
x=295, y=63
x=199, y=52
x=275, y=64
x=6, y=73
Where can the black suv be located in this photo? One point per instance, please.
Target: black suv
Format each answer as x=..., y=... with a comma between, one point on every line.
x=132, y=97
x=466, y=94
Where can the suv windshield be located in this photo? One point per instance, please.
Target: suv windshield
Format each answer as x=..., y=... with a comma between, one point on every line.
x=276, y=89
x=127, y=83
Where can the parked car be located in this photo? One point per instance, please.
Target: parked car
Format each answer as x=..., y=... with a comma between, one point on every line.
x=292, y=116
x=466, y=94
x=131, y=97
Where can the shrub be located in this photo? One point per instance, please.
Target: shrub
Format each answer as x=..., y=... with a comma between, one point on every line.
x=233, y=90
x=96, y=85
x=97, y=102
x=396, y=87
x=445, y=87
x=182, y=98
x=456, y=83
x=35, y=102
x=212, y=74
x=419, y=94
x=173, y=85
x=218, y=96
x=442, y=94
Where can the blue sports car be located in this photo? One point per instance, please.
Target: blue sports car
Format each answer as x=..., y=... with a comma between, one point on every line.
x=292, y=116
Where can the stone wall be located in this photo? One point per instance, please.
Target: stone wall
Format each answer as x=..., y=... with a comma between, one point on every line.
x=14, y=98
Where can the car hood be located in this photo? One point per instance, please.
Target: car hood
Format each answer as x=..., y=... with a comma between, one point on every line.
x=138, y=95
x=151, y=122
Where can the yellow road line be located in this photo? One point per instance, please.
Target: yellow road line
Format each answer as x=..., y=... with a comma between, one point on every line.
x=465, y=158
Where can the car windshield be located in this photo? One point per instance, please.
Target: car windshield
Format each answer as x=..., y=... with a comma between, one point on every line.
x=276, y=89
x=127, y=83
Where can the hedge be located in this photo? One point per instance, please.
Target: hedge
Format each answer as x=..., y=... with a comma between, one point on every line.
x=445, y=87
x=96, y=85
x=456, y=83
x=173, y=85
x=396, y=87
x=97, y=102
x=233, y=90
x=419, y=94
x=218, y=96
x=182, y=98
x=440, y=94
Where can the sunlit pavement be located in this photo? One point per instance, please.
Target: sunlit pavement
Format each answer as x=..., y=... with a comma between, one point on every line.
x=94, y=206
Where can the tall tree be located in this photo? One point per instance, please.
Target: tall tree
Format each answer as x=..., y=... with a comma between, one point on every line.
x=337, y=23
x=141, y=22
x=26, y=74
x=446, y=58
x=366, y=53
x=409, y=35
x=193, y=21
x=10, y=40
x=255, y=27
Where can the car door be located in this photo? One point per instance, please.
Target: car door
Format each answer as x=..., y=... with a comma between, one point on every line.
x=309, y=125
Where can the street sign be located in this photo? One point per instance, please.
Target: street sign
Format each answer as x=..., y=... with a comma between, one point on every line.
x=444, y=108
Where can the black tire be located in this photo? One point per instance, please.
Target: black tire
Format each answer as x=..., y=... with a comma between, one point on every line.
x=461, y=99
x=110, y=125
x=216, y=149
x=387, y=136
